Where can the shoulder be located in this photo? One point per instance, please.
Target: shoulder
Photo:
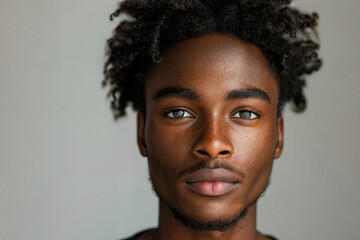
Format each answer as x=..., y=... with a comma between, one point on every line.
x=271, y=237
x=136, y=235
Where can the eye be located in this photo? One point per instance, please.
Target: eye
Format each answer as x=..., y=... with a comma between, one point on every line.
x=246, y=114
x=178, y=114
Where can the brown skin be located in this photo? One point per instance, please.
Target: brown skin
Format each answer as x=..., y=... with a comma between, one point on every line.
x=211, y=130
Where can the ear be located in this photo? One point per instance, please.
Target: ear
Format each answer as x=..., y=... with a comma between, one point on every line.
x=141, y=134
x=280, y=137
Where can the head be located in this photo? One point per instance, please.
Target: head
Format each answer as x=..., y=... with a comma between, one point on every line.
x=209, y=80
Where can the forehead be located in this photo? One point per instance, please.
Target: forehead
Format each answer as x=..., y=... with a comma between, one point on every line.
x=219, y=60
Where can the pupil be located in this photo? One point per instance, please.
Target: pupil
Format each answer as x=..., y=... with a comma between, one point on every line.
x=245, y=114
x=178, y=114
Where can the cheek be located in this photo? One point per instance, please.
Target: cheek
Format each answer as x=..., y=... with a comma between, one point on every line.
x=255, y=153
x=166, y=150
x=255, y=144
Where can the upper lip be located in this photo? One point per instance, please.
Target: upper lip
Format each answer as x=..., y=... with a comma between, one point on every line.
x=212, y=175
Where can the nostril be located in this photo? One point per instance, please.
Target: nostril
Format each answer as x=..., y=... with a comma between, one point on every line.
x=202, y=152
x=205, y=153
x=224, y=152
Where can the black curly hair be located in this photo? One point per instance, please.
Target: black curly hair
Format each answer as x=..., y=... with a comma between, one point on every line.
x=282, y=33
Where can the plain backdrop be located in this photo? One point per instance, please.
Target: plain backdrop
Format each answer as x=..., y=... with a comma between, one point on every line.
x=68, y=171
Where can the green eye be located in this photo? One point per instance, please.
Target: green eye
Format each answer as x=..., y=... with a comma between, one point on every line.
x=245, y=114
x=178, y=114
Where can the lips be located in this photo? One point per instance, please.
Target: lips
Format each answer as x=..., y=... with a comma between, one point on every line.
x=212, y=182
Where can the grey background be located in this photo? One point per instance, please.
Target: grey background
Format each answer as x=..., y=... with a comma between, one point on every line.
x=67, y=171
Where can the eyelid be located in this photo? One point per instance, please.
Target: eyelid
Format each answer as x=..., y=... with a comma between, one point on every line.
x=172, y=110
x=256, y=113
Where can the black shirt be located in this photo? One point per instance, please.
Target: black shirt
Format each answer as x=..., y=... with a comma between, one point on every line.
x=139, y=233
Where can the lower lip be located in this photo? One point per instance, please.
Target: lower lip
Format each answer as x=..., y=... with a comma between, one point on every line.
x=212, y=189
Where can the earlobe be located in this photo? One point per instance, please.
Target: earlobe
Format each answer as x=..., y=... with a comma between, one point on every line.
x=141, y=134
x=280, y=137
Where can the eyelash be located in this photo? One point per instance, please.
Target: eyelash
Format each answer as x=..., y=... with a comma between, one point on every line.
x=186, y=114
x=253, y=115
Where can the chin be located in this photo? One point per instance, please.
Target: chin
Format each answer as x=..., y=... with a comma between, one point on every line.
x=203, y=213
x=209, y=221
x=207, y=214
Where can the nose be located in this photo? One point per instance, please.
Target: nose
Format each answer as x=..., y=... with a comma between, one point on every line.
x=213, y=140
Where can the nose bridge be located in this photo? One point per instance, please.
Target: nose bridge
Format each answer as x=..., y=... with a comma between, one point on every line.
x=213, y=140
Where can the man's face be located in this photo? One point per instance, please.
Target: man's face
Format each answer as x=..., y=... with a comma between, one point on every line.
x=211, y=130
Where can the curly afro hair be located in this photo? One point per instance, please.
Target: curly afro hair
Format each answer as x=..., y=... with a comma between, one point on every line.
x=282, y=33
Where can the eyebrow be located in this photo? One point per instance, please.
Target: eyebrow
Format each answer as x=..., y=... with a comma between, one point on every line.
x=247, y=93
x=177, y=92
x=232, y=95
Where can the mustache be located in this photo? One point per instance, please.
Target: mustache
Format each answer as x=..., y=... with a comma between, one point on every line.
x=211, y=165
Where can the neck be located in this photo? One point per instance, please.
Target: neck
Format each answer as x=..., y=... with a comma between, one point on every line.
x=171, y=229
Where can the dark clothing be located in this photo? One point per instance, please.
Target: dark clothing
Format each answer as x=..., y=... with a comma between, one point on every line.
x=139, y=233
x=136, y=235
